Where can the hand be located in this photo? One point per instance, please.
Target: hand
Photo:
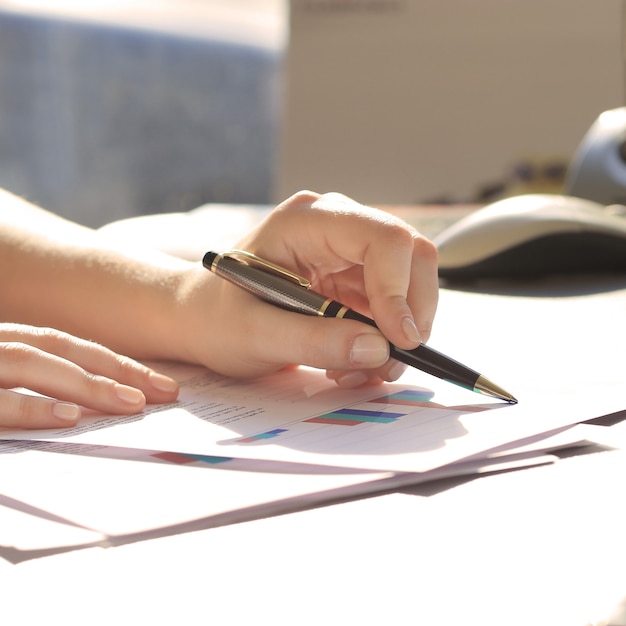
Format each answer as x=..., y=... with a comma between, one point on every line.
x=365, y=258
x=71, y=373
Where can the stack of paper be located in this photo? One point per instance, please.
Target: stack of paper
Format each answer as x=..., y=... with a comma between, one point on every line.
x=231, y=450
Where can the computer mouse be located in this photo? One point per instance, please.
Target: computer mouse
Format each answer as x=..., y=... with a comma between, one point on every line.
x=534, y=235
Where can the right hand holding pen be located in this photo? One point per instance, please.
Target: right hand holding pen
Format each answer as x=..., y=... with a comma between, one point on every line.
x=362, y=257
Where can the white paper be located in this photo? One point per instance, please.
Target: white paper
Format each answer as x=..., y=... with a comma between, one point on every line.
x=558, y=355
x=278, y=419
x=50, y=499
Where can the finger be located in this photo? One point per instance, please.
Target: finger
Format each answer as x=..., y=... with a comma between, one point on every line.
x=324, y=343
x=400, y=278
x=19, y=410
x=391, y=371
x=416, y=313
x=25, y=366
x=96, y=359
x=399, y=266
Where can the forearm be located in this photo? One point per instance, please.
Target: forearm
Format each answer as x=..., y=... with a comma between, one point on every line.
x=57, y=273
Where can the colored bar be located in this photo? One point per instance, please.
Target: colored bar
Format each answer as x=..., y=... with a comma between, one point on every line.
x=173, y=457
x=270, y=433
x=364, y=415
x=183, y=459
x=211, y=460
x=333, y=422
x=351, y=417
x=408, y=397
x=266, y=435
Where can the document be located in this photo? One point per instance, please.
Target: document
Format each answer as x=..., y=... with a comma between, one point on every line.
x=299, y=416
x=56, y=496
x=294, y=438
x=558, y=354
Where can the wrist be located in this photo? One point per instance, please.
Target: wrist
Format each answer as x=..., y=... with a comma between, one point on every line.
x=191, y=323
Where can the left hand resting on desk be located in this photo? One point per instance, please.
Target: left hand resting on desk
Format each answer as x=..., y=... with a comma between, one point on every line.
x=71, y=372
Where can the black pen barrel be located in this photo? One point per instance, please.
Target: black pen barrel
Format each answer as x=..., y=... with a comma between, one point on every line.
x=426, y=359
x=277, y=290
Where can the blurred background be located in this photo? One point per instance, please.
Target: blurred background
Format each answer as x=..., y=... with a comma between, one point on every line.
x=110, y=109
x=113, y=108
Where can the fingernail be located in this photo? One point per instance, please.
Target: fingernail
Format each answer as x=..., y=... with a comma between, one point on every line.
x=66, y=411
x=163, y=383
x=130, y=395
x=395, y=371
x=369, y=350
x=352, y=379
x=410, y=330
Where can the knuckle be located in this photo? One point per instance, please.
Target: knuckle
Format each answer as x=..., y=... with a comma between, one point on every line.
x=92, y=381
x=314, y=349
x=24, y=410
x=21, y=410
x=328, y=346
x=426, y=250
x=335, y=196
x=15, y=354
x=48, y=338
x=302, y=199
x=125, y=368
x=57, y=342
x=398, y=235
x=314, y=354
x=305, y=196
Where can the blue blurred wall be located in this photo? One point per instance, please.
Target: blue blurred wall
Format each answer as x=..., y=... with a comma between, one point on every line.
x=99, y=122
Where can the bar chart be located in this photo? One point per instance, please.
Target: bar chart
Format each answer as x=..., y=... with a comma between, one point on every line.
x=391, y=408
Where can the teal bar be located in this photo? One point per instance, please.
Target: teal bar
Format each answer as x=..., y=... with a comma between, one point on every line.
x=358, y=417
x=211, y=460
x=417, y=396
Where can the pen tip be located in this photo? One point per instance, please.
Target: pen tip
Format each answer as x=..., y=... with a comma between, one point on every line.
x=485, y=386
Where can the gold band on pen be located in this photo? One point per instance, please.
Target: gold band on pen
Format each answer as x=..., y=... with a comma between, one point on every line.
x=342, y=311
x=322, y=311
x=215, y=262
x=256, y=261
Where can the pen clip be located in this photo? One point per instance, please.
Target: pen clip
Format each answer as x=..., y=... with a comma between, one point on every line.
x=272, y=268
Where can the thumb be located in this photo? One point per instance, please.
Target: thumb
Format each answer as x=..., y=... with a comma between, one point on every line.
x=335, y=344
x=324, y=343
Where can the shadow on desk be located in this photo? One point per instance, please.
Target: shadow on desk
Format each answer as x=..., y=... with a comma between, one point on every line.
x=549, y=287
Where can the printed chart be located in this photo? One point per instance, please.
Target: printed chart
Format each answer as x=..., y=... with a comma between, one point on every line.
x=396, y=415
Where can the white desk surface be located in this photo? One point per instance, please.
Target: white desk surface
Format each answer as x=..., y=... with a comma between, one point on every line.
x=543, y=546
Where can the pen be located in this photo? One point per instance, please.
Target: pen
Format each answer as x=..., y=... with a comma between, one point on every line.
x=289, y=291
